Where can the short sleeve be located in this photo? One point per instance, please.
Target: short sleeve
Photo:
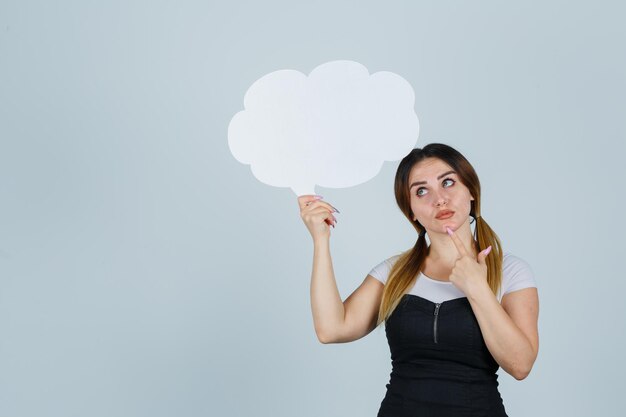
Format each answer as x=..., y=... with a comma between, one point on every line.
x=516, y=274
x=381, y=271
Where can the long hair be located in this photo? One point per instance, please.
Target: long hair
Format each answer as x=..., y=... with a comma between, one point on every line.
x=406, y=269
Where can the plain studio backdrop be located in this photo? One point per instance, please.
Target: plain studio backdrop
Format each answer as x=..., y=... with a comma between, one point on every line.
x=145, y=272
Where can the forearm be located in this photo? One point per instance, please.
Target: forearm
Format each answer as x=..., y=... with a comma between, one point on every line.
x=505, y=341
x=326, y=303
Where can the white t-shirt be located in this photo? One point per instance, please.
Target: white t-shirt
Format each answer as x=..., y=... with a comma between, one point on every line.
x=516, y=275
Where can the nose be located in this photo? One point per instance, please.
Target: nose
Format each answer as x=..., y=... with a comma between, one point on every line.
x=440, y=200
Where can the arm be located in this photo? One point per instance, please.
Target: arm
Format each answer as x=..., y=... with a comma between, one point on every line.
x=328, y=309
x=510, y=329
x=336, y=321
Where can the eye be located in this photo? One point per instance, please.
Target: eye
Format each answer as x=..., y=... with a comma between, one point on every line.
x=449, y=179
x=417, y=193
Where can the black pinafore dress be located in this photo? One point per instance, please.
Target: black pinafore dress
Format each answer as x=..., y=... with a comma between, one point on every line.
x=440, y=364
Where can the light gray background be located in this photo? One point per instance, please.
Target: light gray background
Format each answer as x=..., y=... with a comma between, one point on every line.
x=145, y=272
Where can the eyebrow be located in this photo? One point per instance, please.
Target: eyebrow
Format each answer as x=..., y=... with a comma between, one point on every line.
x=424, y=182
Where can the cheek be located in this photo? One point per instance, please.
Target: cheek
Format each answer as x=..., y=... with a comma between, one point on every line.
x=419, y=208
x=421, y=204
x=415, y=208
x=467, y=199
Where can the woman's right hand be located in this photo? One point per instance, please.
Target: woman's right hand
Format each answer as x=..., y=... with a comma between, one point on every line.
x=317, y=215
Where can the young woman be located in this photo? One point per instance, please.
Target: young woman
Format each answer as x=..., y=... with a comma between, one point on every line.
x=454, y=310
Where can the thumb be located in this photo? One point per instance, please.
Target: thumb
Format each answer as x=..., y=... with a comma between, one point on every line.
x=482, y=255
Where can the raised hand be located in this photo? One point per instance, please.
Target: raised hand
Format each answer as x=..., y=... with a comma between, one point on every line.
x=317, y=215
x=469, y=273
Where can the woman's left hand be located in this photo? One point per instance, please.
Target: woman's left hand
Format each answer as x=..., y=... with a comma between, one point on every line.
x=469, y=274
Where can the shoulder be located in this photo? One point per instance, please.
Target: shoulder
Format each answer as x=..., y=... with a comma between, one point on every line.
x=391, y=260
x=382, y=269
x=513, y=263
x=516, y=273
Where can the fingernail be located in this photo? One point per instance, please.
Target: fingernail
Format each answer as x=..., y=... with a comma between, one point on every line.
x=449, y=231
x=335, y=209
x=488, y=250
x=318, y=197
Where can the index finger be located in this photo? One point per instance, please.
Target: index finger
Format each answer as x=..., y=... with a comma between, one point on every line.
x=308, y=198
x=457, y=242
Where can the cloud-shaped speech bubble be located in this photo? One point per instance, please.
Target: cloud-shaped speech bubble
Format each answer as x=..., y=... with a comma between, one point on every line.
x=334, y=128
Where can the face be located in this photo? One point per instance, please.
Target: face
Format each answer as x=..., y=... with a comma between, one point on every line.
x=438, y=189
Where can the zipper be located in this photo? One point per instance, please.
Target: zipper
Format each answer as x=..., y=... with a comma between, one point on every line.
x=437, y=305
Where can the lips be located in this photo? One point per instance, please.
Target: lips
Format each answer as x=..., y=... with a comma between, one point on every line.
x=444, y=214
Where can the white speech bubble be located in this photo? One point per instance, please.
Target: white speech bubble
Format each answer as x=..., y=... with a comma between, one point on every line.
x=334, y=128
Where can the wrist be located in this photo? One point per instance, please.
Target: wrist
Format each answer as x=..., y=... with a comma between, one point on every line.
x=480, y=292
x=321, y=241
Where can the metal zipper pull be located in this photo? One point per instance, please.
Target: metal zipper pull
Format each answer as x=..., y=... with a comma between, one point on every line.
x=437, y=305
